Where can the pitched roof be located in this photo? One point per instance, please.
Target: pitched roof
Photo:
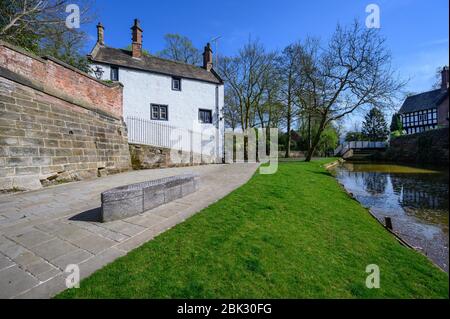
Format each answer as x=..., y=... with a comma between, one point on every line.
x=120, y=57
x=423, y=101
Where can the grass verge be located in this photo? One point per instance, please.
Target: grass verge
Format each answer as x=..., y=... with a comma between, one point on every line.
x=294, y=234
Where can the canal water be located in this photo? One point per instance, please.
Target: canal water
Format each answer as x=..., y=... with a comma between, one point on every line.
x=415, y=198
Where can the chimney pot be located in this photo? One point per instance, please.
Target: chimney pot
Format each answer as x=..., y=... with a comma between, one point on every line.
x=208, y=58
x=100, y=34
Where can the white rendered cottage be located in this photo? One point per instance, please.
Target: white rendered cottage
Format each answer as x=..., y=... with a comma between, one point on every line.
x=160, y=93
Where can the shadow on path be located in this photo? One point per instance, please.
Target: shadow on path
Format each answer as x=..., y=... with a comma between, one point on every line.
x=91, y=215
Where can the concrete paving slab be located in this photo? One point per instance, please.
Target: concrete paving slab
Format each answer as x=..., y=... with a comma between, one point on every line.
x=5, y=262
x=94, y=244
x=74, y=257
x=31, y=238
x=14, y=280
x=54, y=249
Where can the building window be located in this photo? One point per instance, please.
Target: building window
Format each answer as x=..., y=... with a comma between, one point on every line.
x=114, y=73
x=176, y=84
x=159, y=112
x=205, y=116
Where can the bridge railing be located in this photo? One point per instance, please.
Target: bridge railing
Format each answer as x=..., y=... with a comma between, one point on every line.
x=344, y=147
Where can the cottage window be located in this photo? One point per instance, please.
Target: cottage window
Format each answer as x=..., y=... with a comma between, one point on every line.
x=205, y=116
x=176, y=84
x=114, y=73
x=159, y=112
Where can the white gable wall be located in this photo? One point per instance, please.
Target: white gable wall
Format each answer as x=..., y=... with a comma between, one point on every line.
x=141, y=89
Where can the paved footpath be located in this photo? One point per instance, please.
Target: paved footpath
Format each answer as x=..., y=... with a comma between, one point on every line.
x=41, y=232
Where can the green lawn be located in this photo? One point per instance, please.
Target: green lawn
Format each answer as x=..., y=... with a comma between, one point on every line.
x=294, y=234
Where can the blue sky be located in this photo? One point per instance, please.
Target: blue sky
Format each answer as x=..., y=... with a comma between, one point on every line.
x=416, y=30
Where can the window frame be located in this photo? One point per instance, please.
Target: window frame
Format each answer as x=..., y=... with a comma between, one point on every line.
x=175, y=78
x=116, y=68
x=200, y=110
x=159, y=117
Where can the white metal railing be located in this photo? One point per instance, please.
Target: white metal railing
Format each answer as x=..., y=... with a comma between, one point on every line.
x=146, y=132
x=344, y=147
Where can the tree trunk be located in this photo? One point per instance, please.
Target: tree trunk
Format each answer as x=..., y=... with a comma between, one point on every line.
x=309, y=132
x=288, y=144
x=316, y=140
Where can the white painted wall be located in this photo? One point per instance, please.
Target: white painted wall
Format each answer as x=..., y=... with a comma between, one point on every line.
x=144, y=88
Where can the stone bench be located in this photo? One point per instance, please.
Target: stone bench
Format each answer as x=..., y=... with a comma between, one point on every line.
x=129, y=200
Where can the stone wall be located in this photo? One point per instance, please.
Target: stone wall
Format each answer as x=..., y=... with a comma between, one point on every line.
x=145, y=156
x=430, y=147
x=53, y=135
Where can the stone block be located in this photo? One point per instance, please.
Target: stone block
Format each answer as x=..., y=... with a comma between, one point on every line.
x=3, y=151
x=51, y=143
x=23, y=151
x=187, y=188
x=36, y=142
x=26, y=182
x=6, y=183
x=7, y=99
x=6, y=172
x=172, y=193
x=153, y=197
x=59, y=160
x=46, y=151
x=30, y=170
x=121, y=209
x=18, y=161
x=9, y=131
x=41, y=161
x=130, y=200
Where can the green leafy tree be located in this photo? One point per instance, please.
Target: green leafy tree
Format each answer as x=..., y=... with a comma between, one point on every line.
x=396, y=123
x=329, y=140
x=374, y=126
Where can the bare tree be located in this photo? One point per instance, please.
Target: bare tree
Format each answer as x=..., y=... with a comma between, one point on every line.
x=354, y=70
x=231, y=110
x=180, y=48
x=247, y=77
x=290, y=73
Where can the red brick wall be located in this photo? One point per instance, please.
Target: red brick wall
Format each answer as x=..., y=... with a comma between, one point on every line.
x=59, y=77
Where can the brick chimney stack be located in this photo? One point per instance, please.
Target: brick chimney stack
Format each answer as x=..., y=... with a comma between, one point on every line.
x=100, y=34
x=444, y=76
x=208, y=58
x=136, y=45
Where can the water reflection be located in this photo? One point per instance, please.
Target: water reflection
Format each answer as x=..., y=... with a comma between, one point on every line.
x=375, y=183
x=415, y=198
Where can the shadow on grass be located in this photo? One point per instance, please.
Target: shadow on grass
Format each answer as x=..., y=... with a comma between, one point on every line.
x=91, y=215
